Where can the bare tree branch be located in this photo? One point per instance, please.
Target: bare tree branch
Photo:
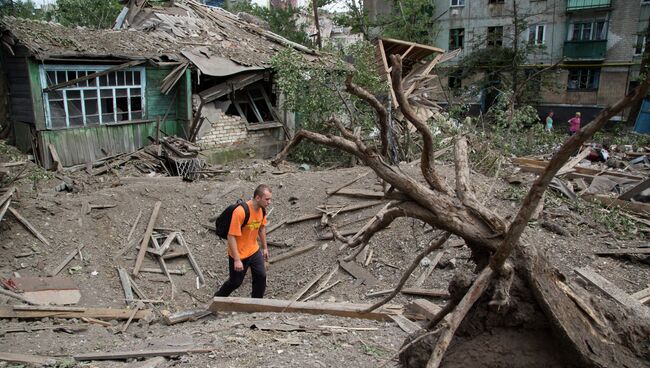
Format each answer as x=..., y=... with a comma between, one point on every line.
x=427, y=161
x=433, y=245
x=382, y=113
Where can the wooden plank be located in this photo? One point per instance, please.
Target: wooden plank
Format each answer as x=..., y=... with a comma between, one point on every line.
x=253, y=305
x=636, y=207
x=360, y=193
x=275, y=227
x=405, y=324
x=359, y=273
x=623, y=251
x=427, y=272
x=145, y=239
x=640, y=295
x=44, y=312
x=613, y=291
x=436, y=293
x=293, y=253
x=193, y=262
x=17, y=296
x=119, y=355
x=93, y=75
x=424, y=308
x=157, y=270
x=125, y=280
x=343, y=210
x=27, y=359
x=55, y=158
x=149, y=363
x=308, y=286
x=535, y=165
x=5, y=201
x=29, y=226
x=638, y=189
x=135, y=224
x=348, y=183
x=184, y=316
x=321, y=290
x=568, y=167
x=67, y=260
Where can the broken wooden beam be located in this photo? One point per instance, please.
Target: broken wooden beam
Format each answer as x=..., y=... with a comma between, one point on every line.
x=5, y=201
x=125, y=280
x=145, y=239
x=64, y=312
x=638, y=189
x=17, y=296
x=568, y=167
x=184, y=316
x=252, y=305
x=28, y=226
x=427, y=272
x=613, y=291
x=321, y=290
x=308, y=286
x=623, y=251
x=423, y=308
x=293, y=253
x=193, y=262
x=636, y=207
x=435, y=293
x=67, y=260
x=40, y=360
x=348, y=183
x=359, y=273
x=361, y=193
x=158, y=270
x=405, y=324
x=343, y=210
x=119, y=355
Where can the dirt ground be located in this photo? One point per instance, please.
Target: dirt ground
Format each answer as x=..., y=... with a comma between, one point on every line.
x=186, y=206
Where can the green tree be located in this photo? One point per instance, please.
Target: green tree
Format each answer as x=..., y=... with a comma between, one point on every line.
x=20, y=9
x=410, y=20
x=87, y=13
x=280, y=21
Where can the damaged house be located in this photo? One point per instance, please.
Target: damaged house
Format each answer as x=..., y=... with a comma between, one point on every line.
x=188, y=70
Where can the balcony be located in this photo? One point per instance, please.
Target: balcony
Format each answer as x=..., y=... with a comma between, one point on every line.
x=572, y=5
x=585, y=50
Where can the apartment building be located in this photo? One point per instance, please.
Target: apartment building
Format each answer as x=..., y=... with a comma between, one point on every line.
x=597, y=43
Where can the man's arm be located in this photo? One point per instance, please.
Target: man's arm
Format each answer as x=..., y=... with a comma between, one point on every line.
x=265, y=249
x=234, y=252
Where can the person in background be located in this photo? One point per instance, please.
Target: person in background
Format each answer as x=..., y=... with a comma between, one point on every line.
x=549, y=121
x=574, y=124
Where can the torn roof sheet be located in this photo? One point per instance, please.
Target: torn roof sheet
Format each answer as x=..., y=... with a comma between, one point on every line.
x=189, y=31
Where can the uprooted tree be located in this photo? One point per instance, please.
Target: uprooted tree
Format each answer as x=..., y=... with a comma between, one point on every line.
x=509, y=273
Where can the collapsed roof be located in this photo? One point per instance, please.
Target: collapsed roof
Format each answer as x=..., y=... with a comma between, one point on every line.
x=216, y=41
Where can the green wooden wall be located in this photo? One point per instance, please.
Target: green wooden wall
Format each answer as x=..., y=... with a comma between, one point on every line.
x=88, y=144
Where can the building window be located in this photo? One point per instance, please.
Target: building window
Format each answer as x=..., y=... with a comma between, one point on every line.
x=252, y=104
x=454, y=81
x=457, y=3
x=495, y=1
x=583, y=79
x=537, y=34
x=640, y=45
x=645, y=2
x=456, y=38
x=110, y=98
x=588, y=31
x=495, y=36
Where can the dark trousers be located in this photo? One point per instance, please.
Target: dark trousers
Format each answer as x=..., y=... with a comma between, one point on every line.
x=258, y=271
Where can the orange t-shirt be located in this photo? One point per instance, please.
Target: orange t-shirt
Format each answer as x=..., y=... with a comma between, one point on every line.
x=247, y=236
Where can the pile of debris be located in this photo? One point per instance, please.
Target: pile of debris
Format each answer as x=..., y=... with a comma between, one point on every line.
x=167, y=157
x=620, y=180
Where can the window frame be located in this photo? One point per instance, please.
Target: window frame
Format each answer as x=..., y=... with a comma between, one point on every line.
x=491, y=40
x=534, y=29
x=97, y=88
x=459, y=37
x=496, y=2
x=459, y=3
x=593, y=30
x=639, y=45
x=592, y=76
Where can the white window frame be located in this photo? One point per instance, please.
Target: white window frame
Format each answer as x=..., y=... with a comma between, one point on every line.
x=535, y=30
x=456, y=3
x=95, y=68
x=592, y=74
x=636, y=45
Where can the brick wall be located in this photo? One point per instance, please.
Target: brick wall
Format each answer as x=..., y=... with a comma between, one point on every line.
x=225, y=130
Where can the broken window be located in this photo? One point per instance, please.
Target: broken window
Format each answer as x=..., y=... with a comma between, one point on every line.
x=495, y=36
x=583, y=79
x=252, y=104
x=113, y=97
x=456, y=38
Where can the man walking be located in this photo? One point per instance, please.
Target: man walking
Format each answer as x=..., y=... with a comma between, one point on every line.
x=243, y=249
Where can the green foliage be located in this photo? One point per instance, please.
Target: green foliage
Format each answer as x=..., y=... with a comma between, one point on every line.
x=281, y=21
x=410, y=20
x=20, y=9
x=356, y=18
x=316, y=93
x=87, y=13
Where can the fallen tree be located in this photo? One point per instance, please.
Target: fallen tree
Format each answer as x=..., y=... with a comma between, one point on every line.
x=510, y=276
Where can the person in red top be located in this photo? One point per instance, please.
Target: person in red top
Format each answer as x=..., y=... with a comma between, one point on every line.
x=243, y=249
x=574, y=124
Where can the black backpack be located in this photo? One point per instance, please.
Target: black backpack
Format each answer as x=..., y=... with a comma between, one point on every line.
x=222, y=224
